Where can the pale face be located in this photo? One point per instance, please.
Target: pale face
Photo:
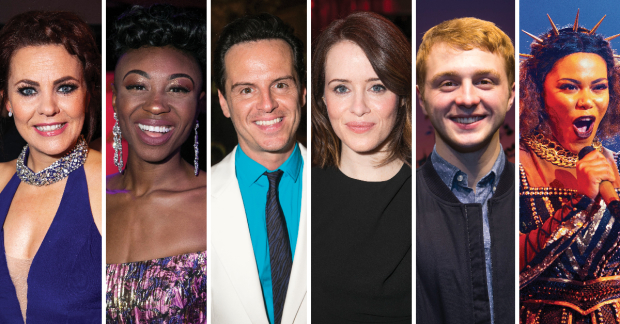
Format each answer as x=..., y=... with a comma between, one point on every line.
x=156, y=94
x=466, y=96
x=576, y=94
x=48, y=97
x=362, y=111
x=263, y=97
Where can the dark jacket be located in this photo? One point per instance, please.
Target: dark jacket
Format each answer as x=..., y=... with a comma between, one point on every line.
x=451, y=284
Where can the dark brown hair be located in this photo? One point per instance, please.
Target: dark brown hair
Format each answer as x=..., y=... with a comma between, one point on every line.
x=38, y=28
x=263, y=26
x=533, y=116
x=389, y=53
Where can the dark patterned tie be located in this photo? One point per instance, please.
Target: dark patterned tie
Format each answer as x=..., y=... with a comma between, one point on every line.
x=279, y=245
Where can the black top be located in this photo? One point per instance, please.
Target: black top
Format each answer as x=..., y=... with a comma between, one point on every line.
x=451, y=285
x=361, y=248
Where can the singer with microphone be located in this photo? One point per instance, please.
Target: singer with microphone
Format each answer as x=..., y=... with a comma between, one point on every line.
x=568, y=201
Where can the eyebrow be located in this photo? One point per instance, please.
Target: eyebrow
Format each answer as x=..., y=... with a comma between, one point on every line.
x=288, y=77
x=56, y=82
x=345, y=80
x=65, y=79
x=28, y=82
x=579, y=82
x=181, y=75
x=442, y=75
x=139, y=72
x=240, y=84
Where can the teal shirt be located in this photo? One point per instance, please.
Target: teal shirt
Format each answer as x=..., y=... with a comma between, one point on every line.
x=254, y=185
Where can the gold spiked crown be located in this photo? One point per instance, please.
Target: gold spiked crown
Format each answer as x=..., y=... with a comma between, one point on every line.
x=576, y=28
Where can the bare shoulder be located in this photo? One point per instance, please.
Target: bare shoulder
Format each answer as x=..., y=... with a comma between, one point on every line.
x=525, y=157
x=113, y=182
x=92, y=168
x=7, y=170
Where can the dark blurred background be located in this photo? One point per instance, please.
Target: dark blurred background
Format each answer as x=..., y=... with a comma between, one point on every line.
x=90, y=12
x=292, y=12
x=113, y=10
x=326, y=11
x=430, y=13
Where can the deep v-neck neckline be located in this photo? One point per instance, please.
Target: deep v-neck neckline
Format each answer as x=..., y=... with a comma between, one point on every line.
x=53, y=224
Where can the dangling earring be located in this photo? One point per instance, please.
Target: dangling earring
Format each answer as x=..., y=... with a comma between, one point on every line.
x=10, y=114
x=117, y=145
x=196, y=149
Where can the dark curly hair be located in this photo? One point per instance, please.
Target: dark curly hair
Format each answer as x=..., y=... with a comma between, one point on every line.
x=389, y=53
x=158, y=26
x=254, y=28
x=533, y=116
x=39, y=28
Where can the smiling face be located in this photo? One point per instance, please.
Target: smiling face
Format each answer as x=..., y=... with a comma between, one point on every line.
x=156, y=94
x=48, y=98
x=576, y=94
x=466, y=96
x=263, y=97
x=362, y=111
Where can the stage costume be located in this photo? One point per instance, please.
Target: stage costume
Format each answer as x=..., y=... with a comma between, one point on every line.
x=575, y=277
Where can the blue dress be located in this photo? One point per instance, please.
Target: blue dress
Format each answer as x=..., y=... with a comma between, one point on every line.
x=64, y=282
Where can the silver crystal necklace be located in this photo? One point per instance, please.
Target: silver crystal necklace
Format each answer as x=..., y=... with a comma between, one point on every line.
x=59, y=170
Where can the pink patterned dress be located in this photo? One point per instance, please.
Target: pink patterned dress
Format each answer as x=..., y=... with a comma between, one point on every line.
x=167, y=290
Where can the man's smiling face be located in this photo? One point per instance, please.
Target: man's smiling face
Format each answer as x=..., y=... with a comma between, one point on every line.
x=466, y=96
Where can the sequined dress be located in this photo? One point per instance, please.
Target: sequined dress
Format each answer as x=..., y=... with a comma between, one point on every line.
x=166, y=290
x=575, y=277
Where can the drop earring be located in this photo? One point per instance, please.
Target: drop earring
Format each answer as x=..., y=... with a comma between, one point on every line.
x=196, y=149
x=10, y=114
x=117, y=145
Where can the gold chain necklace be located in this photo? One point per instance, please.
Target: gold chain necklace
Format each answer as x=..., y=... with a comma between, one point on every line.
x=551, y=151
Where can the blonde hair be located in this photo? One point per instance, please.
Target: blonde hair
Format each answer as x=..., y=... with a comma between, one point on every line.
x=466, y=34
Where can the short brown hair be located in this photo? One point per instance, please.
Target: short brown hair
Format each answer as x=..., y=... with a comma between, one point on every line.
x=466, y=34
x=389, y=53
x=38, y=28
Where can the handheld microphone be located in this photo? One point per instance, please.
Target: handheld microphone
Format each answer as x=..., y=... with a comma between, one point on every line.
x=606, y=189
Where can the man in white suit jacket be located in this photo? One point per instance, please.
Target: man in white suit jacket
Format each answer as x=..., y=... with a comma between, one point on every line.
x=260, y=75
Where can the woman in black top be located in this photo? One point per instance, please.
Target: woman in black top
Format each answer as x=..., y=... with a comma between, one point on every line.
x=361, y=185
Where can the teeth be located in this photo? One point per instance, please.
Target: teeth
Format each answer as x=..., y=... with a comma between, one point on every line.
x=585, y=124
x=467, y=120
x=155, y=129
x=268, y=122
x=49, y=128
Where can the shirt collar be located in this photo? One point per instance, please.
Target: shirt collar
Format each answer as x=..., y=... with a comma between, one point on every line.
x=249, y=171
x=451, y=175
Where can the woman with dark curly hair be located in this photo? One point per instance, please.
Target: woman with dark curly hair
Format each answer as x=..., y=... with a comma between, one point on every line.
x=569, y=232
x=156, y=205
x=50, y=207
x=361, y=189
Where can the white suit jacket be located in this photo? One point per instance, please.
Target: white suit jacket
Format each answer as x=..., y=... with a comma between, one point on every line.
x=237, y=297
